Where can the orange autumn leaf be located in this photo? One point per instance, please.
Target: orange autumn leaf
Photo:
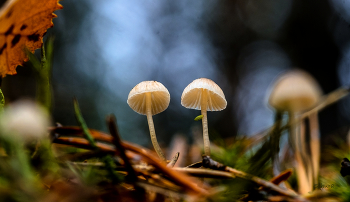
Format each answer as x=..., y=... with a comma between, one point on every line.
x=23, y=24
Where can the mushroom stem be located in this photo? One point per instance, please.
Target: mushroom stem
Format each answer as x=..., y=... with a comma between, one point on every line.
x=204, y=104
x=151, y=126
x=315, y=145
x=295, y=133
x=275, y=143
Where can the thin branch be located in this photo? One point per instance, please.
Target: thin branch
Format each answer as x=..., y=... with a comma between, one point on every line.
x=84, y=155
x=83, y=143
x=195, y=172
x=177, y=177
x=77, y=131
x=195, y=165
x=160, y=190
x=283, y=176
x=173, y=160
x=327, y=100
x=205, y=173
x=210, y=163
x=111, y=122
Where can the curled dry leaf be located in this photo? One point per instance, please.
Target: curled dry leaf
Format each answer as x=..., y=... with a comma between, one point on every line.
x=23, y=23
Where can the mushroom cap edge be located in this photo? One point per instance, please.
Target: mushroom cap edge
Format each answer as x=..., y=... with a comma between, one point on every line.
x=160, y=97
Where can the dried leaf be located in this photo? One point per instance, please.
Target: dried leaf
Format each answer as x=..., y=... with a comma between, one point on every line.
x=23, y=23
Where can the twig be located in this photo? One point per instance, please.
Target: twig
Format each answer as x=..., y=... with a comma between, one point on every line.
x=210, y=163
x=279, y=199
x=195, y=165
x=77, y=131
x=283, y=176
x=327, y=100
x=195, y=172
x=159, y=189
x=158, y=179
x=109, y=164
x=205, y=173
x=84, y=155
x=83, y=143
x=173, y=160
x=177, y=177
x=95, y=164
x=111, y=122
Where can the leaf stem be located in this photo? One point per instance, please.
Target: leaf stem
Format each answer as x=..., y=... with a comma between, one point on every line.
x=44, y=89
x=83, y=125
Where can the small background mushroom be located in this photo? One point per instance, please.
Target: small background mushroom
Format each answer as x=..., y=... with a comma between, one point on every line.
x=295, y=92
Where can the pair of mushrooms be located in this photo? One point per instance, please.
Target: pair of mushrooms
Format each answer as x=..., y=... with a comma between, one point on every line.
x=151, y=97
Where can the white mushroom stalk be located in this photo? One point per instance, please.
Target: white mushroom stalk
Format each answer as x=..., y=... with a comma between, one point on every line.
x=205, y=95
x=152, y=131
x=150, y=98
x=205, y=122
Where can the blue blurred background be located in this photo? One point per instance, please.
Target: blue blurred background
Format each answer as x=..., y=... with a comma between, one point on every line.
x=104, y=48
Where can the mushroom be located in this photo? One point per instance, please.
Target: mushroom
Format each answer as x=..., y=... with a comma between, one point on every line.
x=150, y=98
x=205, y=95
x=295, y=92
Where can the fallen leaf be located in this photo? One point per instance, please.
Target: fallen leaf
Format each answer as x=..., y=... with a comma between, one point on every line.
x=23, y=23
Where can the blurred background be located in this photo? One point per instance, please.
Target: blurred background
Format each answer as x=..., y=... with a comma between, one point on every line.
x=104, y=48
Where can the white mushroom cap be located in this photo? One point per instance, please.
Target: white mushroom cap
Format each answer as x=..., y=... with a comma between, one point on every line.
x=160, y=97
x=24, y=120
x=295, y=91
x=191, y=97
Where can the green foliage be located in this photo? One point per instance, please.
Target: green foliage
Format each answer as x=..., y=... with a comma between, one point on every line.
x=2, y=101
x=20, y=174
x=110, y=166
x=43, y=73
x=83, y=125
x=198, y=118
x=233, y=155
x=236, y=155
x=269, y=150
x=340, y=187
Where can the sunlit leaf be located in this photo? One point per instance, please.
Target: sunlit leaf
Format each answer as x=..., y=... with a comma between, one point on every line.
x=23, y=23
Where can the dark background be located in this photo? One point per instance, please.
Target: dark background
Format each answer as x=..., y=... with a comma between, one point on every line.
x=104, y=48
